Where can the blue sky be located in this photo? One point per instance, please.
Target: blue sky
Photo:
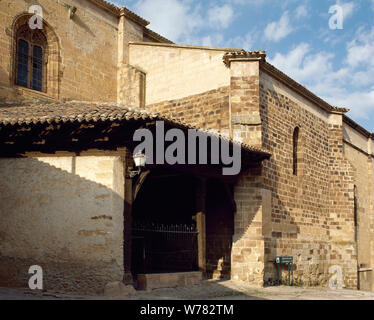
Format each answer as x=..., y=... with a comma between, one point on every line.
x=337, y=65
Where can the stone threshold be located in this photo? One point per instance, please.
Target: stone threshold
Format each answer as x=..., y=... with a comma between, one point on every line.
x=168, y=280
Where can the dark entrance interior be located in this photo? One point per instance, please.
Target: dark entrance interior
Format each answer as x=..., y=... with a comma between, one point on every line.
x=220, y=209
x=164, y=231
x=164, y=235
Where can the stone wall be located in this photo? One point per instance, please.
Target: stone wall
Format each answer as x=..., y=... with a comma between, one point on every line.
x=131, y=88
x=341, y=206
x=363, y=192
x=250, y=226
x=357, y=149
x=208, y=110
x=245, y=108
x=64, y=213
x=87, y=43
x=308, y=209
x=175, y=72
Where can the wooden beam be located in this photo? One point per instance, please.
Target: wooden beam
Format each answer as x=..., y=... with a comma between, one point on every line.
x=200, y=222
x=127, y=229
x=140, y=181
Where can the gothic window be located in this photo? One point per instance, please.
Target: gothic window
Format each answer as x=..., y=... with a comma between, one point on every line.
x=31, y=58
x=295, y=150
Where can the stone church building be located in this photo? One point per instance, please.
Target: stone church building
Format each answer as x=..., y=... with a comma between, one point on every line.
x=72, y=95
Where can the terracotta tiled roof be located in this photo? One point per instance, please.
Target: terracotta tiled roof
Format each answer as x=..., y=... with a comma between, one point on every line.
x=41, y=112
x=133, y=16
x=118, y=11
x=106, y=5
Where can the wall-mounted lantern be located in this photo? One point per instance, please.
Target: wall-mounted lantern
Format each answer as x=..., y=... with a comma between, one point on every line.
x=140, y=162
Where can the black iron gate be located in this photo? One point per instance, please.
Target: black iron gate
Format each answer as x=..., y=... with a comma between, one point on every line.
x=162, y=248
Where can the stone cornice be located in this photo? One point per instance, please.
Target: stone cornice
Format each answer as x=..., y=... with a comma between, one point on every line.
x=243, y=55
x=181, y=46
x=297, y=87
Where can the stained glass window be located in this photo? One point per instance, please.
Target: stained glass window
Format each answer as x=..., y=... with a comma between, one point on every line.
x=22, y=63
x=37, y=65
x=30, y=56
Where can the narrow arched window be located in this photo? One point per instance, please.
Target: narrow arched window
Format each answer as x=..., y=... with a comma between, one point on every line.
x=295, y=150
x=31, y=58
x=355, y=207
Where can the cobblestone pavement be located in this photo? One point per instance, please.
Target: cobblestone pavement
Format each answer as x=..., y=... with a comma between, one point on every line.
x=208, y=290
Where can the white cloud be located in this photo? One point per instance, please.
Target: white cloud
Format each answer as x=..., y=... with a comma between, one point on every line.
x=245, y=42
x=213, y=40
x=348, y=8
x=361, y=49
x=301, y=12
x=174, y=19
x=350, y=86
x=184, y=20
x=302, y=65
x=220, y=17
x=278, y=30
x=360, y=102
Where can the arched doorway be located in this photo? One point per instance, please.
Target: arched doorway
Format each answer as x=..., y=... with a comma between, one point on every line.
x=164, y=235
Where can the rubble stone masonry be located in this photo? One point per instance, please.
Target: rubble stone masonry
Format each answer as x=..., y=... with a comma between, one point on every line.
x=208, y=110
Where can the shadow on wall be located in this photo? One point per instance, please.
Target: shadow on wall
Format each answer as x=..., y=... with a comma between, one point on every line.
x=83, y=25
x=69, y=225
x=255, y=242
x=4, y=77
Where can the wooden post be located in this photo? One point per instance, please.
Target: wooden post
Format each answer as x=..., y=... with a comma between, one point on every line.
x=127, y=230
x=200, y=223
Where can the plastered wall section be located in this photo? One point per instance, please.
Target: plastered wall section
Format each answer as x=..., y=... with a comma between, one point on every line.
x=174, y=72
x=354, y=137
x=65, y=214
x=88, y=50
